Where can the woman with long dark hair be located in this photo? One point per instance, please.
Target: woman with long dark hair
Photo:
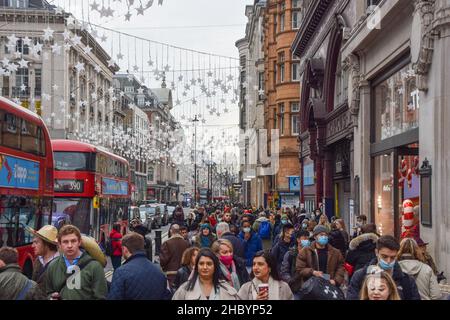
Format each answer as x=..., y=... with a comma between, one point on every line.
x=266, y=283
x=207, y=282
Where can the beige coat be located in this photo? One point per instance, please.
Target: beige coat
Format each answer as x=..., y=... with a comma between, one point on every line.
x=226, y=292
x=426, y=281
x=282, y=291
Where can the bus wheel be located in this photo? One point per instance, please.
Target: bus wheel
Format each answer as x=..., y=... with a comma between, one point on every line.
x=28, y=269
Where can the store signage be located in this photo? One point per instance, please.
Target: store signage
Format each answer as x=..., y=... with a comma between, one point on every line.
x=18, y=173
x=294, y=183
x=308, y=174
x=114, y=187
x=71, y=186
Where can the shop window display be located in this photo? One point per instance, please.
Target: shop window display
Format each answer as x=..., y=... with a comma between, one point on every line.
x=397, y=104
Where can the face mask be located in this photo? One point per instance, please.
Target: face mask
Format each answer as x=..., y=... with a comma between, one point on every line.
x=226, y=260
x=323, y=240
x=386, y=266
x=305, y=243
x=219, y=220
x=246, y=230
x=283, y=221
x=304, y=226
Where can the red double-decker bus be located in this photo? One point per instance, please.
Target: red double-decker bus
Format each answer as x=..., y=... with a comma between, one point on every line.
x=26, y=179
x=92, y=188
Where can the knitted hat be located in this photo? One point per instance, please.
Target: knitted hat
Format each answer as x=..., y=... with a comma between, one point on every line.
x=320, y=228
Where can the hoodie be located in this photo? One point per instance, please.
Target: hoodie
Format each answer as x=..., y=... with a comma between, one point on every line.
x=426, y=281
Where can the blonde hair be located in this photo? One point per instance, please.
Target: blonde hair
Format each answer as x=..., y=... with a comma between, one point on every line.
x=393, y=292
x=409, y=246
x=216, y=245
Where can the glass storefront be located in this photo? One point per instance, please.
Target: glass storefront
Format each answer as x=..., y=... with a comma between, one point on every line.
x=384, y=185
x=396, y=104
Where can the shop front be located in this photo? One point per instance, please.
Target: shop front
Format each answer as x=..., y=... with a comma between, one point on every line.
x=395, y=148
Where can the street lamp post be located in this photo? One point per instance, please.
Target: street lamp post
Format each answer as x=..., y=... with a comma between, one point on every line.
x=195, y=157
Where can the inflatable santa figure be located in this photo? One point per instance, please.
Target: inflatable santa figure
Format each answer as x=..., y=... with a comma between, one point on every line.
x=407, y=217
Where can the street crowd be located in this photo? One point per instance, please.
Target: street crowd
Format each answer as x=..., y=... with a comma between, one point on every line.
x=228, y=252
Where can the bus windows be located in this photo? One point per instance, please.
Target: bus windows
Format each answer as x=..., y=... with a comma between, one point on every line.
x=10, y=132
x=30, y=142
x=72, y=211
x=71, y=161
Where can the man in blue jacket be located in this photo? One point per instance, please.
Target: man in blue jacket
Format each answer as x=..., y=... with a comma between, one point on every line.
x=386, y=252
x=138, y=278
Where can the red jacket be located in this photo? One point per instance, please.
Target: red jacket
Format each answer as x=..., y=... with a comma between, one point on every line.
x=116, y=242
x=212, y=221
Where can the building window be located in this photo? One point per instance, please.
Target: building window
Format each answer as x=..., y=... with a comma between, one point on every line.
x=384, y=202
x=21, y=79
x=296, y=17
x=151, y=174
x=282, y=20
x=295, y=71
x=281, y=63
x=129, y=89
x=275, y=119
x=22, y=48
x=396, y=104
x=17, y=3
x=295, y=3
x=281, y=115
x=275, y=73
x=295, y=124
x=274, y=26
x=295, y=107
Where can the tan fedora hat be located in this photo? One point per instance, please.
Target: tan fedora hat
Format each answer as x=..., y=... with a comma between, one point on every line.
x=93, y=249
x=48, y=233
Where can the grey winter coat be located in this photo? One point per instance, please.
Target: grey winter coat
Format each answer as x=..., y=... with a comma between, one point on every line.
x=12, y=281
x=426, y=281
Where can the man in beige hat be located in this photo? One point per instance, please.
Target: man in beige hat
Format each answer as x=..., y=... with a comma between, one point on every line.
x=45, y=249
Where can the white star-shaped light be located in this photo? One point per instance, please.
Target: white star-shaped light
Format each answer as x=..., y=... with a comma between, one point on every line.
x=5, y=61
x=203, y=121
x=135, y=68
x=128, y=16
x=119, y=56
x=67, y=34
x=210, y=74
x=149, y=4
x=194, y=101
x=94, y=96
x=109, y=12
x=76, y=40
x=23, y=63
x=104, y=38
x=37, y=47
x=94, y=33
x=178, y=102
x=56, y=49
x=160, y=2
x=94, y=6
x=12, y=39
x=48, y=33
x=150, y=63
x=111, y=90
x=46, y=96
x=114, y=99
x=111, y=62
x=70, y=20
x=180, y=78
x=184, y=94
x=67, y=46
x=12, y=67
x=26, y=41
x=97, y=68
x=79, y=66
x=23, y=87
x=260, y=92
x=140, y=90
x=167, y=68
x=59, y=10
x=62, y=103
x=230, y=77
x=226, y=110
x=87, y=50
x=140, y=10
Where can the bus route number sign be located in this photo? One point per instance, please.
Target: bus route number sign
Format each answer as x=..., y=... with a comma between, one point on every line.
x=70, y=186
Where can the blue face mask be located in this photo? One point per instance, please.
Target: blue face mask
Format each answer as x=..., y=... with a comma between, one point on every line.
x=323, y=240
x=386, y=266
x=283, y=221
x=304, y=226
x=305, y=243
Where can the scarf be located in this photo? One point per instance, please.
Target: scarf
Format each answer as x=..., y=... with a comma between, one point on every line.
x=231, y=276
x=205, y=241
x=274, y=288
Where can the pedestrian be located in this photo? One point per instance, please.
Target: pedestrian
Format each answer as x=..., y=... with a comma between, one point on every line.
x=362, y=249
x=361, y=220
x=386, y=251
x=288, y=266
x=137, y=226
x=277, y=226
x=171, y=253
x=338, y=238
x=323, y=221
x=232, y=267
x=379, y=286
x=138, y=278
x=91, y=283
x=411, y=260
x=284, y=243
x=320, y=260
x=115, y=237
x=13, y=284
x=187, y=265
x=45, y=247
x=227, y=218
x=266, y=283
x=193, y=233
x=224, y=232
x=185, y=233
x=264, y=229
x=178, y=216
x=252, y=243
x=428, y=258
x=205, y=238
x=207, y=282
x=311, y=225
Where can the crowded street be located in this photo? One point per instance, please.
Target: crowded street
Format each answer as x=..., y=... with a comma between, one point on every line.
x=266, y=153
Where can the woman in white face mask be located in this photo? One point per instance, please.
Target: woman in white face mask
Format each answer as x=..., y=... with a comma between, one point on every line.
x=266, y=283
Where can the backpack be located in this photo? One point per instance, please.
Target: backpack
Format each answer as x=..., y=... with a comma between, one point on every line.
x=264, y=230
x=317, y=288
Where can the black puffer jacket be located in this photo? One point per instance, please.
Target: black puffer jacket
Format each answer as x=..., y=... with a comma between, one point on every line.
x=182, y=276
x=337, y=240
x=361, y=250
